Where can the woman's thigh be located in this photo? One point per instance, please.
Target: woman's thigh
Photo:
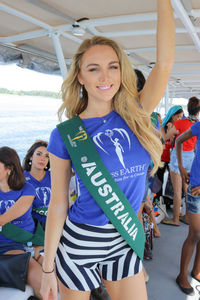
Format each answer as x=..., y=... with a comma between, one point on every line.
x=194, y=223
x=132, y=287
x=68, y=294
x=176, y=183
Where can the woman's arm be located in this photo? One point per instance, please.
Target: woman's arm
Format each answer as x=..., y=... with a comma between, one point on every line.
x=182, y=138
x=57, y=213
x=158, y=78
x=17, y=210
x=171, y=132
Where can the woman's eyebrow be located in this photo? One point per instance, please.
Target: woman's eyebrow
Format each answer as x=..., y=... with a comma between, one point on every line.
x=110, y=63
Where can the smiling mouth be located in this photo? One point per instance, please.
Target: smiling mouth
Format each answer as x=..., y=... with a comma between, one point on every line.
x=104, y=87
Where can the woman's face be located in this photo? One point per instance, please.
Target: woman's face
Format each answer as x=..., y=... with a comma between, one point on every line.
x=40, y=158
x=177, y=117
x=100, y=73
x=3, y=172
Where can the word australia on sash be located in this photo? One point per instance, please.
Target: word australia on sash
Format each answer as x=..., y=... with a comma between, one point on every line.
x=110, y=198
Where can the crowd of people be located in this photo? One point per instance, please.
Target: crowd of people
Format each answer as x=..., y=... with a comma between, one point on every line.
x=115, y=144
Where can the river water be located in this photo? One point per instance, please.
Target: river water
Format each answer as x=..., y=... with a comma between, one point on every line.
x=24, y=119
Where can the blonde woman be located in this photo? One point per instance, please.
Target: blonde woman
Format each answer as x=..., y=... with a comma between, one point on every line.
x=101, y=89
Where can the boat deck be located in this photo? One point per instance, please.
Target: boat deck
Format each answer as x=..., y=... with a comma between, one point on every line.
x=164, y=266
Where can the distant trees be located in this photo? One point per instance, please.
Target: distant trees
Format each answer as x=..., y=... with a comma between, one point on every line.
x=31, y=93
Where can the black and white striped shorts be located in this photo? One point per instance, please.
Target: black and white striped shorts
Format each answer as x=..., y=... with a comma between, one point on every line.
x=87, y=252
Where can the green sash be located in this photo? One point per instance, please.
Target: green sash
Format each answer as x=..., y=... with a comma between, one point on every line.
x=17, y=234
x=100, y=183
x=42, y=211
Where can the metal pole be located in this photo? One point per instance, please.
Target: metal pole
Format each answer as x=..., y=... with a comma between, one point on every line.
x=59, y=54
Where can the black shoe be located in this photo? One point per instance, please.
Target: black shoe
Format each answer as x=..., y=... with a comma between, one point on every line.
x=187, y=291
x=192, y=274
x=33, y=298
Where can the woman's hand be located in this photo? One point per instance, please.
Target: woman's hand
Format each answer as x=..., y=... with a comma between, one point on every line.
x=49, y=289
x=185, y=175
x=195, y=191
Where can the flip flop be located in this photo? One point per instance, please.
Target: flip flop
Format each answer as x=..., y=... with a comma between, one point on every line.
x=169, y=222
x=182, y=219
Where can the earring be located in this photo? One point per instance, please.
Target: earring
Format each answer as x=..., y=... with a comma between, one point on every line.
x=30, y=163
x=9, y=173
x=81, y=92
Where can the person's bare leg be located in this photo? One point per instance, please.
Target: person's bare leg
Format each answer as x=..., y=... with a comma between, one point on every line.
x=196, y=266
x=67, y=294
x=132, y=287
x=177, y=188
x=191, y=241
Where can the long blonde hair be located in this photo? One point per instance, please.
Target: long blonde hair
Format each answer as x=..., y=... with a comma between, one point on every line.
x=125, y=101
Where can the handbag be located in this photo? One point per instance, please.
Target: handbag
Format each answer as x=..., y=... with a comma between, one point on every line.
x=14, y=269
x=160, y=210
x=100, y=293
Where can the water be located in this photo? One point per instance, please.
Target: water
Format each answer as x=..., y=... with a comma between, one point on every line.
x=24, y=119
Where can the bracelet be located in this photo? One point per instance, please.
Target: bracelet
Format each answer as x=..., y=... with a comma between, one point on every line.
x=38, y=257
x=47, y=272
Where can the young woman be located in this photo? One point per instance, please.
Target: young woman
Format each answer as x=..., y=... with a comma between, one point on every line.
x=178, y=128
x=16, y=199
x=175, y=113
x=193, y=206
x=101, y=89
x=36, y=170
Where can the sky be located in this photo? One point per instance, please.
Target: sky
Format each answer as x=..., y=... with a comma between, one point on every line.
x=13, y=77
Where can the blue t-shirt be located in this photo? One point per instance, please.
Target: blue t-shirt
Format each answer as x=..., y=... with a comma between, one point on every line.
x=8, y=199
x=195, y=169
x=43, y=192
x=125, y=158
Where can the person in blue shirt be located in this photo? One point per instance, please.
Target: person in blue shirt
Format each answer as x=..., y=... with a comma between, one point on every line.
x=16, y=198
x=101, y=89
x=193, y=206
x=36, y=171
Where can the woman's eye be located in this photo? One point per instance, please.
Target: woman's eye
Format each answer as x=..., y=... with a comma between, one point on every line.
x=93, y=69
x=47, y=156
x=38, y=154
x=114, y=67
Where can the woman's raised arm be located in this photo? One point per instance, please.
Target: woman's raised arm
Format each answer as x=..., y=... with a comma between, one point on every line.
x=156, y=83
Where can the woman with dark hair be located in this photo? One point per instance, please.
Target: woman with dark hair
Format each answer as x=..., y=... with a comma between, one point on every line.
x=16, y=198
x=36, y=170
x=178, y=128
x=174, y=113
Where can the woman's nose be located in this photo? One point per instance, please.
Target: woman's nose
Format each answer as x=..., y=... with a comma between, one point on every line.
x=103, y=75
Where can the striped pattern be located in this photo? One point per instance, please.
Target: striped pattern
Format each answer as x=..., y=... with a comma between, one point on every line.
x=84, y=250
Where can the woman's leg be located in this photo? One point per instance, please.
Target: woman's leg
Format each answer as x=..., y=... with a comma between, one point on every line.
x=196, y=266
x=191, y=241
x=68, y=294
x=34, y=275
x=132, y=287
x=177, y=187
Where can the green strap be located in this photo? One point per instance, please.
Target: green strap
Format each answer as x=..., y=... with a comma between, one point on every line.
x=42, y=211
x=17, y=234
x=100, y=183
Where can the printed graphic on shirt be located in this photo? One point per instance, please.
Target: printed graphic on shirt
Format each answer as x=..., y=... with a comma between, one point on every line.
x=111, y=134
x=43, y=194
x=5, y=205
